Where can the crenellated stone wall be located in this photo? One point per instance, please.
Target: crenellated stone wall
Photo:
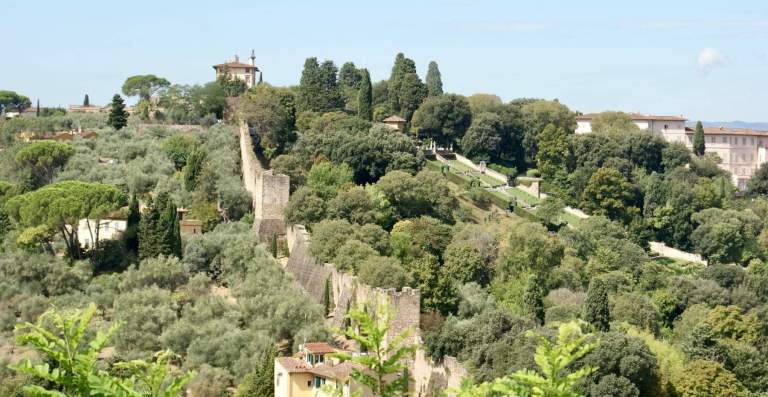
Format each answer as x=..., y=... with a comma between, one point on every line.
x=269, y=191
x=404, y=307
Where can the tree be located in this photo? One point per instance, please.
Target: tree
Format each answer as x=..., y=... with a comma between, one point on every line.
x=144, y=86
x=707, y=378
x=319, y=90
x=193, y=169
x=71, y=356
x=57, y=207
x=726, y=236
x=159, y=229
x=613, y=122
x=553, y=153
x=178, y=147
x=118, y=117
x=271, y=112
x=444, y=119
x=405, y=90
x=305, y=207
x=42, y=159
x=12, y=100
x=132, y=226
x=86, y=101
x=758, y=183
x=260, y=381
x=434, y=81
x=535, y=116
x=481, y=103
x=698, y=140
x=554, y=378
x=533, y=298
x=610, y=194
x=383, y=272
x=365, y=97
x=384, y=367
x=327, y=179
x=596, y=310
x=482, y=140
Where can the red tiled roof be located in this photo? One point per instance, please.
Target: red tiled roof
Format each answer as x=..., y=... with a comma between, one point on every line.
x=339, y=371
x=233, y=65
x=292, y=364
x=729, y=131
x=319, y=348
x=635, y=116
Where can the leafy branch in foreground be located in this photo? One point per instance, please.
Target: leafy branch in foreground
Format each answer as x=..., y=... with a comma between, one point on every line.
x=382, y=369
x=552, y=358
x=70, y=361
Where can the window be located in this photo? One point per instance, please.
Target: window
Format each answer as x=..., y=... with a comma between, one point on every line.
x=752, y=141
x=277, y=380
x=319, y=382
x=743, y=141
x=725, y=140
x=666, y=126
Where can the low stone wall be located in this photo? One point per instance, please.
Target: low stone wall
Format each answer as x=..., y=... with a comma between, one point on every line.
x=431, y=379
x=664, y=250
x=492, y=173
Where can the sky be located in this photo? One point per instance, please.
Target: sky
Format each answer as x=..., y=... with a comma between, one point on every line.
x=706, y=60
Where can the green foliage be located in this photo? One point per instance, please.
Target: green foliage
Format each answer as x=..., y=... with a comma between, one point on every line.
x=259, y=382
x=554, y=152
x=596, y=307
x=624, y=356
x=365, y=97
x=553, y=379
x=193, y=168
x=144, y=86
x=758, y=183
x=178, y=148
x=613, y=122
x=482, y=140
x=384, y=370
x=405, y=91
x=65, y=203
x=305, y=207
x=71, y=356
x=434, y=81
x=351, y=254
x=726, y=236
x=271, y=113
x=327, y=179
x=12, y=100
x=443, y=118
x=327, y=237
x=383, y=272
x=426, y=193
x=42, y=159
x=609, y=193
x=159, y=229
x=698, y=140
x=318, y=89
x=118, y=116
x=706, y=378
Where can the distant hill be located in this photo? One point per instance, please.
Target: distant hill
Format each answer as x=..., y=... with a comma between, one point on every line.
x=758, y=125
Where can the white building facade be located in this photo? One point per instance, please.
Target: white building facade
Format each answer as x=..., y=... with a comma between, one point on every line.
x=239, y=70
x=741, y=150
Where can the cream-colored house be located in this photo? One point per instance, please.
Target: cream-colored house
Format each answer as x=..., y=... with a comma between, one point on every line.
x=311, y=370
x=108, y=229
x=741, y=150
x=395, y=122
x=239, y=70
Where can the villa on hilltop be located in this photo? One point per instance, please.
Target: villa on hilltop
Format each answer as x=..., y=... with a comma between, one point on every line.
x=741, y=150
x=239, y=70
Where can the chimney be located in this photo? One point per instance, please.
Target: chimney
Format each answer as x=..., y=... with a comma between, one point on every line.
x=237, y=58
x=253, y=58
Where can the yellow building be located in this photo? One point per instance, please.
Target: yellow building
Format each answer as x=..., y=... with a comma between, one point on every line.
x=239, y=70
x=305, y=374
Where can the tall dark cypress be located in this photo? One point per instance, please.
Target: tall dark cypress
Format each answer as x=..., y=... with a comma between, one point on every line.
x=533, y=298
x=37, y=109
x=149, y=237
x=434, y=81
x=365, y=97
x=132, y=227
x=118, y=117
x=596, y=311
x=86, y=101
x=698, y=140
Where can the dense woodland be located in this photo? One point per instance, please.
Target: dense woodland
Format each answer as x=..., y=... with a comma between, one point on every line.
x=376, y=208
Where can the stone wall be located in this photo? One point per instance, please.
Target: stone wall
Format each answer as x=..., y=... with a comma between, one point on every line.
x=674, y=253
x=404, y=306
x=269, y=191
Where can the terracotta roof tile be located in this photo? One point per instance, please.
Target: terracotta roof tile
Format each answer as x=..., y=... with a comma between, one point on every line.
x=292, y=364
x=635, y=116
x=729, y=131
x=234, y=65
x=319, y=348
x=394, y=118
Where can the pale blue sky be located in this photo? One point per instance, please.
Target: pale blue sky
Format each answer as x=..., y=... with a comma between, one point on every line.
x=704, y=59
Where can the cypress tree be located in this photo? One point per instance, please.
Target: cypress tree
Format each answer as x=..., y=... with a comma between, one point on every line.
x=260, y=381
x=172, y=235
x=86, y=101
x=327, y=296
x=365, y=97
x=132, y=228
x=596, y=310
x=698, y=140
x=193, y=169
x=434, y=80
x=159, y=230
x=533, y=298
x=118, y=117
x=395, y=81
x=149, y=238
x=273, y=245
x=37, y=109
